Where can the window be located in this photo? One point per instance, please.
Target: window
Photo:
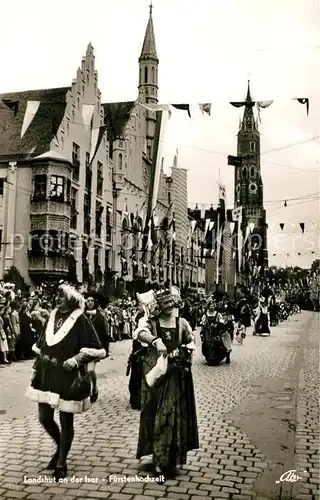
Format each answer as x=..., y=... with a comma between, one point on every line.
x=57, y=187
x=99, y=178
x=153, y=75
x=76, y=161
x=0, y=240
x=1, y=186
x=108, y=225
x=87, y=160
x=245, y=173
x=252, y=171
x=40, y=187
x=86, y=211
x=120, y=161
x=107, y=260
x=74, y=213
x=169, y=198
x=88, y=173
x=252, y=146
x=145, y=75
x=68, y=190
x=99, y=211
x=96, y=258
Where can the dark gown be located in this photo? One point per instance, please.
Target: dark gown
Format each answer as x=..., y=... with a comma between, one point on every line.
x=135, y=365
x=262, y=323
x=168, y=422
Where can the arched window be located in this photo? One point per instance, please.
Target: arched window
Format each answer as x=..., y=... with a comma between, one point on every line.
x=245, y=172
x=145, y=75
x=140, y=75
x=120, y=161
x=153, y=75
x=252, y=172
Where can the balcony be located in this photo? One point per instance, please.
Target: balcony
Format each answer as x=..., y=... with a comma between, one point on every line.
x=43, y=267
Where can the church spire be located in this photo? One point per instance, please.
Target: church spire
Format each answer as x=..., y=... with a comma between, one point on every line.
x=248, y=98
x=248, y=121
x=149, y=50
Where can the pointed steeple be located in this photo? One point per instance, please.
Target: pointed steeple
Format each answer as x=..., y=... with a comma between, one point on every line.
x=248, y=98
x=248, y=121
x=149, y=50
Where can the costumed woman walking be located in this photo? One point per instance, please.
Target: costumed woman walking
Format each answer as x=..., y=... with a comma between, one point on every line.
x=261, y=324
x=60, y=379
x=168, y=423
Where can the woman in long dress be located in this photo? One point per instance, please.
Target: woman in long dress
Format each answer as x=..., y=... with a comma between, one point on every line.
x=262, y=320
x=168, y=423
x=60, y=379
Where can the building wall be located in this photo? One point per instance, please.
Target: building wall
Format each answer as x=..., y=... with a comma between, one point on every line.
x=84, y=91
x=22, y=220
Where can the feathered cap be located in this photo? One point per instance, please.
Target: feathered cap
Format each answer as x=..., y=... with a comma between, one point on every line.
x=72, y=295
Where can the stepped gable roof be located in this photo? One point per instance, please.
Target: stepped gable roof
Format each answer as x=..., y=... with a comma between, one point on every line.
x=43, y=127
x=116, y=116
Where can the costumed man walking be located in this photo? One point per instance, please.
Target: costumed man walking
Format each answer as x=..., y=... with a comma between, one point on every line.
x=60, y=379
x=168, y=423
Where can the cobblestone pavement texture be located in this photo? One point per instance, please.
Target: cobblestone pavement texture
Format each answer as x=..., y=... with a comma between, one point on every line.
x=236, y=458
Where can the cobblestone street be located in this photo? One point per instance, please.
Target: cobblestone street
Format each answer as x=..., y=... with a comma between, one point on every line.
x=258, y=418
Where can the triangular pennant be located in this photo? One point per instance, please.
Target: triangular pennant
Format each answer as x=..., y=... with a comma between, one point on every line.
x=96, y=140
x=251, y=226
x=57, y=117
x=193, y=226
x=206, y=227
x=205, y=108
x=183, y=107
x=264, y=104
x=237, y=104
x=211, y=225
x=305, y=101
x=281, y=226
x=232, y=226
x=30, y=113
x=87, y=114
x=302, y=225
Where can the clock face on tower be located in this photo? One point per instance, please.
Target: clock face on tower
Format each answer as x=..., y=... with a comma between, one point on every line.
x=253, y=188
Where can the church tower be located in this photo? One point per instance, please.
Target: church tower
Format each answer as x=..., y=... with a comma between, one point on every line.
x=248, y=181
x=148, y=79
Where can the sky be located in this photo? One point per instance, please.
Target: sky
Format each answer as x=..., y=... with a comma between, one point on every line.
x=207, y=49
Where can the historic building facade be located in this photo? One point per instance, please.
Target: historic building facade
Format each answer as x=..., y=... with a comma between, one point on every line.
x=76, y=178
x=58, y=180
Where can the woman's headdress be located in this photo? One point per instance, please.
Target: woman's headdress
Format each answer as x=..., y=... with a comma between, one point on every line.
x=172, y=292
